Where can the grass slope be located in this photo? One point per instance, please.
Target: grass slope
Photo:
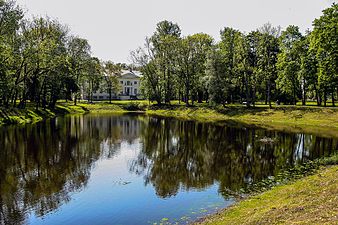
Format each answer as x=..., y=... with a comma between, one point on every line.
x=311, y=200
x=298, y=115
x=31, y=115
x=305, y=119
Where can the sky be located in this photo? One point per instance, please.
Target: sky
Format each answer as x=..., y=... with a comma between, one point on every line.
x=116, y=27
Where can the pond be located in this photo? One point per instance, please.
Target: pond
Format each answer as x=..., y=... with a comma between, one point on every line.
x=134, y=169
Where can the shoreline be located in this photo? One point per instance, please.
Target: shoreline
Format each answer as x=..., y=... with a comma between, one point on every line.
x=307, y=119
x=233, y=114
x=311, y=199
x=276, y=197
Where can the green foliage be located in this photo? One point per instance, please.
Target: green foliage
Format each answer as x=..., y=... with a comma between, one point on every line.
x=134, y=106
x=324, y=43
x=40, y=62
x=265, y=65
x=289, y=62
x=111, y=73
x=219, y=77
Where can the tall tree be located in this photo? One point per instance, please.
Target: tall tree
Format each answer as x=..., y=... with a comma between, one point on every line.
x=111, y=73
x=227, y=50
x=324, y=41
x=10, y=18
x=191, y=58
x=94, y=75
x=164, y=39
x=79, y=53
x=242, y=64
x=151, y=84
x=267, y=51
x=219, y=77
x=289, y=61
x=308, y=74
x=253, y=39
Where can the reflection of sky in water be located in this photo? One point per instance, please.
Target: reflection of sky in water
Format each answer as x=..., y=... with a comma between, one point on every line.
x=105, y=169
x=114, y=195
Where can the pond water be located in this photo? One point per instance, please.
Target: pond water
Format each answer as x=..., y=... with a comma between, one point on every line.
x=134, y=169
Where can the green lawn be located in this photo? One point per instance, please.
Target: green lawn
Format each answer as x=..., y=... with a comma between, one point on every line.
x=311, y=200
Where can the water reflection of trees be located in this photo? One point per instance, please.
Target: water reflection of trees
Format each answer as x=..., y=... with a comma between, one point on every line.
x=185, y=154
x=41, y=164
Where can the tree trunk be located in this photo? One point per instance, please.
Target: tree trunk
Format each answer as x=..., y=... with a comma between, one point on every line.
x=294, y=95
x=333, y=100
x=199, y=96
x=303, y=93
x=266, y=94
x=110, y=95
x=75, y=99
x=269, y=97
x=247, y=90
x=15, y=98
x=317, y=96
x=187, y=95
x=254, y=96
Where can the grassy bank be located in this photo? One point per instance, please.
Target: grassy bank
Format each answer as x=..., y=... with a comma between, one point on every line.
x=302, y=119
x=310, y=200
x=296, y=115
x=31, y=115
x=289, y=118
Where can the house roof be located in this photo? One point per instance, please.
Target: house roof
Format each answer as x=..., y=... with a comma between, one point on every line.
x=128, y=74
x=131, y=74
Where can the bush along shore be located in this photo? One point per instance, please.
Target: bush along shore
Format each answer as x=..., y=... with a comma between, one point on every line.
x=306, y=194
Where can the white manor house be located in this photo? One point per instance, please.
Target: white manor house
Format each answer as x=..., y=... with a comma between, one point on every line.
x=129, y=87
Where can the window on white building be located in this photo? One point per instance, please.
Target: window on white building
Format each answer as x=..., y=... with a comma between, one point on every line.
x=135, y=91
x=135, y=82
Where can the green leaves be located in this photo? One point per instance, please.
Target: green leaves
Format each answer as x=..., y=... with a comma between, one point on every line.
x=289, y=62
x=324, y=42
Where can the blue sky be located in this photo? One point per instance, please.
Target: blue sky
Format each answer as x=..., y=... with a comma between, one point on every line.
x=116, y=27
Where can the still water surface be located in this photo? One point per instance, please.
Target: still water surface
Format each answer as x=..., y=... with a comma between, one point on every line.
x=132, y=169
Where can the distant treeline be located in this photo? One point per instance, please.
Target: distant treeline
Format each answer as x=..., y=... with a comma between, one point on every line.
x=40, y=62
x=269, y=64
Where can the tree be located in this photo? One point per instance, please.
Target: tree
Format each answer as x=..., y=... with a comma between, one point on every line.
x=79, y=55
x=227, y=50
x=242, y=64
x=145, y=59
x=268, y=49
x=253, y=39
x=324, y=42
x=45, y=60
x=111, y=73
x=191, y=58
x=219, y=79
x=10, y=19
x=94, y=76
x=289, y=61
x=164, y=41
x=308, y=74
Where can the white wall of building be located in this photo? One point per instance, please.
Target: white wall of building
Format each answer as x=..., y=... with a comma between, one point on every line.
x=129, y=82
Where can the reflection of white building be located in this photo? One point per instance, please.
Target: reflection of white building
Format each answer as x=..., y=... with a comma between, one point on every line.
x=129, y=87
